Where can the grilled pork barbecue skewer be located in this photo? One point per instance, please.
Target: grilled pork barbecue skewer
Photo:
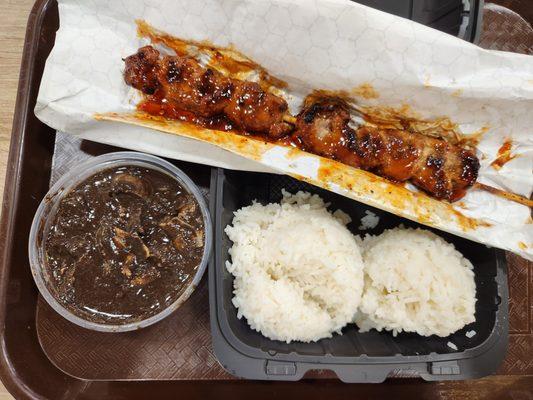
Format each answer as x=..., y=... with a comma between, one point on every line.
x=206, y=92
x=443, y=170
x=439, y=168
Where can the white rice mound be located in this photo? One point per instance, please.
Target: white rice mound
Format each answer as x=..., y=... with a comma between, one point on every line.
x=415, y=281
x=298, y=269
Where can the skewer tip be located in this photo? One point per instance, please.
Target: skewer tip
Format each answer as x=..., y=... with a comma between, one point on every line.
x=503, y=194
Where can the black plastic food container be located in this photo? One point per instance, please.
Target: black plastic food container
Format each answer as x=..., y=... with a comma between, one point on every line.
x=353, y=357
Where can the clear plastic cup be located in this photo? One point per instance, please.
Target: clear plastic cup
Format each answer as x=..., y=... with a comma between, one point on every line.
x=48, y=207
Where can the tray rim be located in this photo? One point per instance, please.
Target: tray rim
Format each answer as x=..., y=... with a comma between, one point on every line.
x=12, y=179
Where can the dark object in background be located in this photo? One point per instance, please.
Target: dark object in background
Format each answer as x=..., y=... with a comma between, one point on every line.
x=460, y=18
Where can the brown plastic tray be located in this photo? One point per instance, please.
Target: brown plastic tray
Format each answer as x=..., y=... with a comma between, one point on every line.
x=27, y=372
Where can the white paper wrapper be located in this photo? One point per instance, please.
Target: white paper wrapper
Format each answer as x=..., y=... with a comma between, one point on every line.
x=310, y=44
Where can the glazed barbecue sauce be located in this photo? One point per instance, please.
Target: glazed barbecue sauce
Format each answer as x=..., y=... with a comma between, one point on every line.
x=155, y=105
x=123, y=245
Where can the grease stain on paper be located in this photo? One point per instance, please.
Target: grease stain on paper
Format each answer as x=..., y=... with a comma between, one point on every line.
x=366, y=91
x=457, y=93
x=397, y=196
x=504, y=155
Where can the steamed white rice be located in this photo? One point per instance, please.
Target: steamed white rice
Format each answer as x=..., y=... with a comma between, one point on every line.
x=416, y=282
x=369, y=221
x=298, y=269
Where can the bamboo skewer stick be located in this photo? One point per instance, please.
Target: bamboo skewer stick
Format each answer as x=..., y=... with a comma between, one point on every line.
x=290, y=119
x=506, y=195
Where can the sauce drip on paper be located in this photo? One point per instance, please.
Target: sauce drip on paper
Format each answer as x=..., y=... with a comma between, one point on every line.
x=504, y=155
